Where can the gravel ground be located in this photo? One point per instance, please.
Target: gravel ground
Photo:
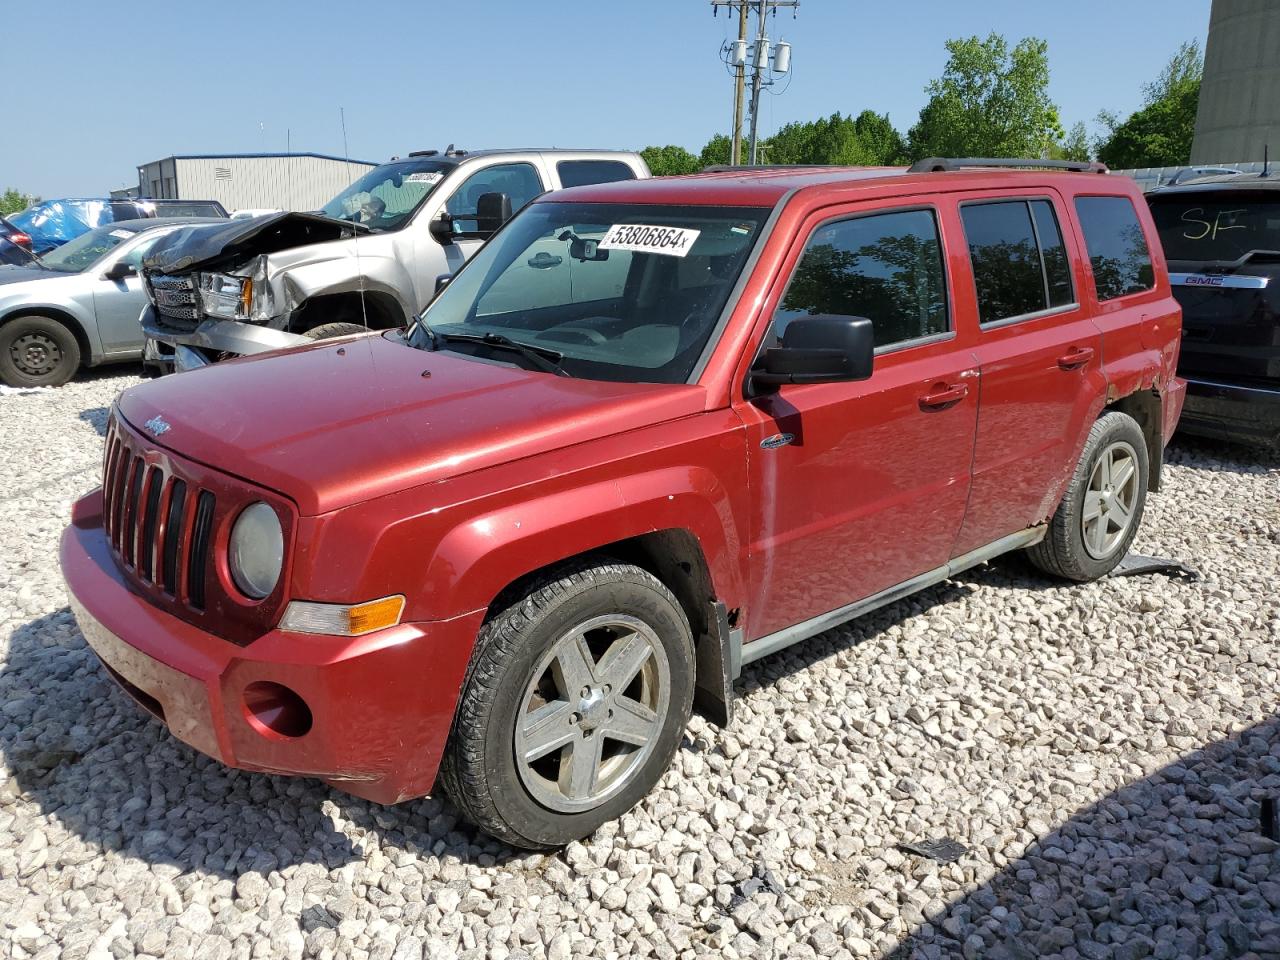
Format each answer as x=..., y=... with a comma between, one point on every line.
x=1100, y=750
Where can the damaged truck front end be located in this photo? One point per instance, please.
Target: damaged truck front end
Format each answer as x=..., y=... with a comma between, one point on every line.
x=233, y=289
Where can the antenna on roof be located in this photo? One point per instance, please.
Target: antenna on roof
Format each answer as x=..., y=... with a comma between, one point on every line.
x=1266, y=161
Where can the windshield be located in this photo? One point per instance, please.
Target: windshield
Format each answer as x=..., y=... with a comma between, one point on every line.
x=626, y=292
x=1217, y=229
x=385, y=197
x=87, y=249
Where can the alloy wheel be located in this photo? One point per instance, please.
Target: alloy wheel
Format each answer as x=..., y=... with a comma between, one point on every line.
x=1110, y=499
x=592, y=712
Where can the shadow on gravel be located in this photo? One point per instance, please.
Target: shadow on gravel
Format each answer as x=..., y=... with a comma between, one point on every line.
x=80, y=750
x=1174, y=865
x=1221, y=455
x=96, y=417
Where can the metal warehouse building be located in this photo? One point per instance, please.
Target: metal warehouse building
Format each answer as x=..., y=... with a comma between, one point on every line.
x=1240, y=95
x=287, y=181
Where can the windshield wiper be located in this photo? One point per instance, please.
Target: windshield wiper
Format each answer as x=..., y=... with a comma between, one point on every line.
x=543, y=358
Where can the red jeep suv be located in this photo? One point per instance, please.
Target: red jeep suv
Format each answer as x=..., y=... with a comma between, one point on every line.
x=653, y=431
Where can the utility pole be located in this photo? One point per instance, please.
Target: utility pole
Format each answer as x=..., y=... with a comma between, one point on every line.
x=735, y=56
x=735, y=151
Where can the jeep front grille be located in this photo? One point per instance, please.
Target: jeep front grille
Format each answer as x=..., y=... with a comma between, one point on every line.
x=158, y=532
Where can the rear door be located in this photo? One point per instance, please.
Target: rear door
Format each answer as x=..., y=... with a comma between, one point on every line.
x=1040, y=355
x=857, y=487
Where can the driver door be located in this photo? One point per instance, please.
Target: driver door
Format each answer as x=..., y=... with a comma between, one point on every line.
x=118, y=303
x=521, y=181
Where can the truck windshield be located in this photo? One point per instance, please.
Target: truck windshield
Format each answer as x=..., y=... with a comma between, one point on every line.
x=1216, y=229
x=385, y=197
x=624, y=292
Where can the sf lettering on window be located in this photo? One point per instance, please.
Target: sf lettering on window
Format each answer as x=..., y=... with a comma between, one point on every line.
x=1200, y=229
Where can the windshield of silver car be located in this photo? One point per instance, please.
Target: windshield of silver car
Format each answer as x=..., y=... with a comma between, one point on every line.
x=624, y=292
x=87, y=249
x=385, y=197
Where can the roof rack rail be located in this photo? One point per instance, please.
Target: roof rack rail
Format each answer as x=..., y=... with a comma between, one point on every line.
x=423, y=153
x=727, y=167
x=945, y=164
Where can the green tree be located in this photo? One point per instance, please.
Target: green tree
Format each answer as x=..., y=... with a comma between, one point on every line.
x=1159, y=133
x=991, y=101
x=11, y=201
x=716, y=151
x=670, y=161
x=1073, y=146
x=880, y=138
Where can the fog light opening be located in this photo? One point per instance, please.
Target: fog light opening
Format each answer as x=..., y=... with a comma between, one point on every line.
x=276, y=711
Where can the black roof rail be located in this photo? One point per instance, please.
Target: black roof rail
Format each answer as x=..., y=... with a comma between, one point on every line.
x=423, y=153
x=945, y=164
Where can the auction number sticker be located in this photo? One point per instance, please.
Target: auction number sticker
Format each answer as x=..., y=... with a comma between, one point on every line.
x=122, y=234
x=642, y=238
x=424, y=177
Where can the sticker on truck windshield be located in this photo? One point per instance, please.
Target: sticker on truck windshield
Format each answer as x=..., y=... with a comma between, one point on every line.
x=427, y=177
x=122, y=234
x=641, y=238
x=1231, y=281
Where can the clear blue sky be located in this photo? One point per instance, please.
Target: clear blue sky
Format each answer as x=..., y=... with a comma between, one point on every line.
x=93, y=89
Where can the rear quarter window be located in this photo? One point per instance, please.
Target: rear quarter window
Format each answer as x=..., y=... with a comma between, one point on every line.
x=578, y=173
x=1116, y=245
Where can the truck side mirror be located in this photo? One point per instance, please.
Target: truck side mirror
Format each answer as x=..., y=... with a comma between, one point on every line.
x=827, y=348
x=492, y=211
x=442, y=229
x=442, y=281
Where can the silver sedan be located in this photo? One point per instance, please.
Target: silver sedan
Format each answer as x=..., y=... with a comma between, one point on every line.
x=79, y=304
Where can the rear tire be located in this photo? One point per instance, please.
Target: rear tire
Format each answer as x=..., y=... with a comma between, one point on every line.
x=575, y=700
x=1099, y=516
x=37, y=351
x=327, y=331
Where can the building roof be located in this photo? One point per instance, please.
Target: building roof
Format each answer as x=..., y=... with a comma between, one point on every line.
x=259, y=156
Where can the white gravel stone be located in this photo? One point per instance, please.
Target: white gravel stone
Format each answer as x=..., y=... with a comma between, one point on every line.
x=1100, y=750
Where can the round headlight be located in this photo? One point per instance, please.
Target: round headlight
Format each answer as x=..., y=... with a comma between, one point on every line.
x=256, y=551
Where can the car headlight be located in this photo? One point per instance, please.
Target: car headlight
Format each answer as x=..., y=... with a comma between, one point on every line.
x=226, y=296
x=255, y=553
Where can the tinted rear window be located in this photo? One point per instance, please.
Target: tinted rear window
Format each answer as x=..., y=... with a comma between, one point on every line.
x=1117, y=249
x=1216, y=229
x=577, y=173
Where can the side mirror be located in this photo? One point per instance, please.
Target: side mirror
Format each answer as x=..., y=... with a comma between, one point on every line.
x=442, y=229
x=120, y=270
x=492, y=211
x=821, y=349
x=442, y=281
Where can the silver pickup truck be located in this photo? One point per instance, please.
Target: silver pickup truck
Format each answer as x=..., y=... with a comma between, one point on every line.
x=369, y=259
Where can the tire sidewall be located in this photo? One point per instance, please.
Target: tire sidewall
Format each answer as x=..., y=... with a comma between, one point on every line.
x=508, y=794
x=1115, y=427
x=11, y=330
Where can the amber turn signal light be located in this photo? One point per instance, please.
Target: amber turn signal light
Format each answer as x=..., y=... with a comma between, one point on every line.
x=339, y=620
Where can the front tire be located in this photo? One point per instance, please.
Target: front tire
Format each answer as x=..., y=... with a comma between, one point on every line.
x=1099, y=516
x=37, y=351
x=576, y=697
x=327, y=331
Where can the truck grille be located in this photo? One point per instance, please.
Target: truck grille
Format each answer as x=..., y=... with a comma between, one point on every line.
x=157, y=522
x=176, y=299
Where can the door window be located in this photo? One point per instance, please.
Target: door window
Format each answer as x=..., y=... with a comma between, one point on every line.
x=1117, y=248
x=1019, y=261
x=519, y=181
x=886, y=267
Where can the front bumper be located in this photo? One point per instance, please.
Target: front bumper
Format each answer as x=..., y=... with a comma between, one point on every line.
x=1230, y=412
x=381, y=705
x=219, y=336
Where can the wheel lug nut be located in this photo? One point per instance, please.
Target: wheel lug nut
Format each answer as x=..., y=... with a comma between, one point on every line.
x=586, y=692
x=575, y=718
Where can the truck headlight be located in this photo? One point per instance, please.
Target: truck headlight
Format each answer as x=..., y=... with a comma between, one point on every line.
x=255, y=553
x=225, y=296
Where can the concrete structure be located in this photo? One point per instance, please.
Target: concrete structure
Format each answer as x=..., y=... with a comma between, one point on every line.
x=288, y=181
x=1240, y=96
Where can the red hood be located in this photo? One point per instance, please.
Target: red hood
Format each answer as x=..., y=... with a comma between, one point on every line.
x=335, y=424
